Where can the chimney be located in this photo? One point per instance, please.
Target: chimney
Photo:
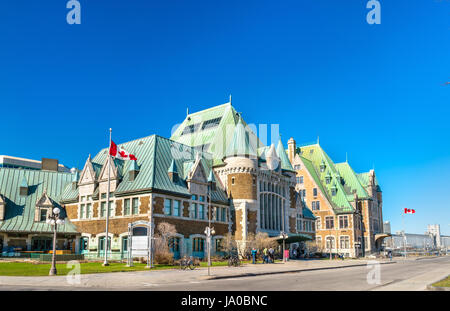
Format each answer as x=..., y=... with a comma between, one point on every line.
x=49, y=164
x=2, y=208
x=291, y=149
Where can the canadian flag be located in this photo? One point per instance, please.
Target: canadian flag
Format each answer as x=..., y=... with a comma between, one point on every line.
x=409, y=211
x=120, y=153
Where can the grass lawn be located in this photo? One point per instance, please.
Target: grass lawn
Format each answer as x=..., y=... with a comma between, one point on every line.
x=30, y=269
x=444, y=283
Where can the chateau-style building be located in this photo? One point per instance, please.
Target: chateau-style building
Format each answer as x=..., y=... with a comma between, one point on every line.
x=27, y=195
x=347, y=206
x=254, y=188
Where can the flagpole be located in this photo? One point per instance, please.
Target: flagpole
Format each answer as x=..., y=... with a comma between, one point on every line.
x=105, y=263
x=404, y=234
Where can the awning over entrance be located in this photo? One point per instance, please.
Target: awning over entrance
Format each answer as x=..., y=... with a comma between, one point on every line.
x=295, y=237
x=381, y=236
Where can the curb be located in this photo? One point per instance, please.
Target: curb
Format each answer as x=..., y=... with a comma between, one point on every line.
x=283, y=272
x=438, y=288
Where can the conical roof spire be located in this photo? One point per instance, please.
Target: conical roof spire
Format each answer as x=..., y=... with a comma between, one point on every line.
x=285, y=163
x=240, y=144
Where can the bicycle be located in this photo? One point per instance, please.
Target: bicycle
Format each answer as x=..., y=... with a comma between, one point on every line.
x=234, y=261
x=187, y=263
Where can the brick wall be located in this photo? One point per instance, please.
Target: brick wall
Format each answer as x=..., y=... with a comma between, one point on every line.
x=292, y=221
x=144, y=205
x=243, y=187
x=116, y=225
x=251, y=221
x=189, y=227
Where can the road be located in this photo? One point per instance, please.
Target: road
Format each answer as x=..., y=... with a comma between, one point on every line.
x=403, y=275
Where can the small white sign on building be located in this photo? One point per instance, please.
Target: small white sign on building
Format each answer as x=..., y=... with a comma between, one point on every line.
x=140, y=246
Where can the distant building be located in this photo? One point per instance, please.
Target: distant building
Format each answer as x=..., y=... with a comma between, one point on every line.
x=431, y=240
x=15, y=162
x=387, y=227
x=435, y=232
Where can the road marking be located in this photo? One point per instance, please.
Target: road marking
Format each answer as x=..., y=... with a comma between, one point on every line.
x=194, y=282
x=149, y=284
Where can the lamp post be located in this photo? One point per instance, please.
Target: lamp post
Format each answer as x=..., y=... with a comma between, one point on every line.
x=54, y=219
x=284, y=236
x=209, y=231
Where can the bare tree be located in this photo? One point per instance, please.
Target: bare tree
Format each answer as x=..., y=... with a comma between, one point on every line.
x=163, y=255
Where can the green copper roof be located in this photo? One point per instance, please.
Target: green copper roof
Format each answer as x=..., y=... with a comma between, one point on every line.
x=19, y=212
x=350, y=181
x=240, y=144
x=307, y=213
x=285, y=163
x=364, y=179
x=155, y=155
x=211, y=178
x=212, y=130
x=23, y=183
x=317, y=156
x=76, y=176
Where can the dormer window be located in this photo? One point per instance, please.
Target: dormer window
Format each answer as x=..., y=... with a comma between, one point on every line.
x=322, y=166
x=23, y=189
x=333, y=190
x=43, y=214
x=328, y=178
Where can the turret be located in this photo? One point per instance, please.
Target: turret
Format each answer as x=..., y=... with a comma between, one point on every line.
x=291, y=149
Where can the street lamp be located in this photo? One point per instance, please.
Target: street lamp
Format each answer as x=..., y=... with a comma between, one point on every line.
x=209, y=231
x=284, y=236
x=54, y=219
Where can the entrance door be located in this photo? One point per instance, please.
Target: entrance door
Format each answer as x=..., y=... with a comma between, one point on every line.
x=101, y=246
x=84, y=245
x=124, y=247
x=174, y=246
x=41, y=243
x=198, y=247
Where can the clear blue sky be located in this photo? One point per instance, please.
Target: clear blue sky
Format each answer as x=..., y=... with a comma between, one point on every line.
x=314, y=67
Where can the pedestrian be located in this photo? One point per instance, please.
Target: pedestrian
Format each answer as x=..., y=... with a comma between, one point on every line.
x=390, y=255
x=265, y=253
x=254, y=252
x=294, y=253
x=271, y=254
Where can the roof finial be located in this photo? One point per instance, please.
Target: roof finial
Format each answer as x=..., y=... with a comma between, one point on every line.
x=230, y=99
x=318, y=139
x=346, y=157
x=187, y=111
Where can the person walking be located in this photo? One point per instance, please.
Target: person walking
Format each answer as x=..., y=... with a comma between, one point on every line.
x=254, y=252
x=271, y=254
x=265, y=253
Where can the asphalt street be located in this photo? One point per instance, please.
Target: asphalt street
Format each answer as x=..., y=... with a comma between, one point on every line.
x=403, y=275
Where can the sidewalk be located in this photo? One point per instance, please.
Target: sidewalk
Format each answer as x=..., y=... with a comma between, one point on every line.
x=146, y=279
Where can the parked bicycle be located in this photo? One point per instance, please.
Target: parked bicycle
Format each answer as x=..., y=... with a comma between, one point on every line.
x=234, y=261
x=187, y=263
